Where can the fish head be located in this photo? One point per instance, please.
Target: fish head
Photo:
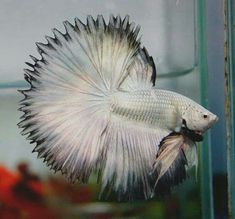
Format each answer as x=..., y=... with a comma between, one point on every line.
x=197, y=119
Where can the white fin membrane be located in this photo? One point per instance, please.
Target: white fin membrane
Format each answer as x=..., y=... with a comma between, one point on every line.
x=129, y=160
x=67, y=111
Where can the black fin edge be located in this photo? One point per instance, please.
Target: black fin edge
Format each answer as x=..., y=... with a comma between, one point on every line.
x=124, y=25
x=150, y=61
x=30, y=76
x=108, y=193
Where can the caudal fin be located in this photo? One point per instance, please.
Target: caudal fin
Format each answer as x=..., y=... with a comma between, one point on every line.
x=67, y=111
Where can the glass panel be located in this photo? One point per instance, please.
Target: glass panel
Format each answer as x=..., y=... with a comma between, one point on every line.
x=230, y=101
x=163, y=25
x=216, y=95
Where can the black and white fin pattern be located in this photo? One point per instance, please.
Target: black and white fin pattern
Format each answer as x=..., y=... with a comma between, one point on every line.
x=175, y=155
x=66, y=109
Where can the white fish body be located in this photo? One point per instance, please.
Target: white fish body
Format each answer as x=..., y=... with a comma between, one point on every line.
x=93, y=106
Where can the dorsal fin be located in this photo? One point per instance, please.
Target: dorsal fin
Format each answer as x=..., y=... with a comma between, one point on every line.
x=141, y=72
x=108, y=54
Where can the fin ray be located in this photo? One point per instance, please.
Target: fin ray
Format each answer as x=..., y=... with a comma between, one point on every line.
x=176, y=153
x=67, y=109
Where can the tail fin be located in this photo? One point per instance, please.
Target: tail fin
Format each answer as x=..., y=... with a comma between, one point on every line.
x=66, y=110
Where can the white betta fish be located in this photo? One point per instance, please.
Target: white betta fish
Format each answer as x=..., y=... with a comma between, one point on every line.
x=93, y=106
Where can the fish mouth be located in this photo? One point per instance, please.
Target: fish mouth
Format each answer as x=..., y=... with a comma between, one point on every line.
x=194, y=135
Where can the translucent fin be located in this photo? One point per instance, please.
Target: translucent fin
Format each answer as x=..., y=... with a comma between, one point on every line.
x=170, y=163
x=190, y=151
x=66, y=110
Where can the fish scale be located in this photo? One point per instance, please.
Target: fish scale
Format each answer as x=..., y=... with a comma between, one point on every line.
x=154, y=107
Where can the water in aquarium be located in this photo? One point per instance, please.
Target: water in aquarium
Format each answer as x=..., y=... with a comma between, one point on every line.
x=28, y=188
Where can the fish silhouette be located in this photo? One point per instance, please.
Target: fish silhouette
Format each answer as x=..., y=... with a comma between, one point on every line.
x=93, y=107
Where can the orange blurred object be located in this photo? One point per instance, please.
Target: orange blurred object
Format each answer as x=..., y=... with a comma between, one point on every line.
x=75, y=194
x=21, y=195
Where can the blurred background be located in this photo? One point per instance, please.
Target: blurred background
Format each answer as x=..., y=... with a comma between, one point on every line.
x=186, y=39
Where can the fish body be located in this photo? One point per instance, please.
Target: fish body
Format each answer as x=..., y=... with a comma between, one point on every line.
x=161, y=109
x=93, y=106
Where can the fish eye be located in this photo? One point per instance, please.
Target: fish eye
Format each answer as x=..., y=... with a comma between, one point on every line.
x=205, y=116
